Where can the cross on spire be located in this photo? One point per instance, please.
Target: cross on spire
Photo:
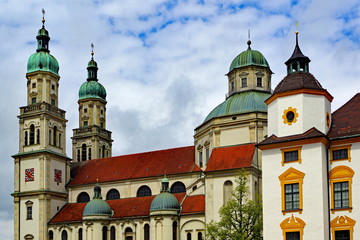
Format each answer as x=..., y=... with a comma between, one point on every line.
x=92, y=51
x=43, y=18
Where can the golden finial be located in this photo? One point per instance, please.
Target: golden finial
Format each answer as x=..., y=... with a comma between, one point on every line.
x=43, y=18
x=92, y=51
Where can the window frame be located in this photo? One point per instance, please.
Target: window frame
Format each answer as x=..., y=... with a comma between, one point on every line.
x=259, y=80
x=292, y=224
x=291, y=176
x=341, y=174
x=244, y=82
x=333, y=149
x=287, y=150
x=341, y=223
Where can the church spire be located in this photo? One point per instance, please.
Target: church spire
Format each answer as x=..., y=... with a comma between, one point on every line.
x=43, y=37
x=298, y=62
x=92, y=67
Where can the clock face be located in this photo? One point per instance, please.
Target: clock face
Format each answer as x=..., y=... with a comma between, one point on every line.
x=29, y=174
x=57, y=175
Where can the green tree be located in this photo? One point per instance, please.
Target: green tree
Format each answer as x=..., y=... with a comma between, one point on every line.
x=240, y=217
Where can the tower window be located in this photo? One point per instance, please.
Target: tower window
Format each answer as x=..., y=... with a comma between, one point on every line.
x=54, y=135
x=89, y=154
x=232, y=86
x=259, y=82
x=85, y=110
x=83, y=152
x=52, y=86
x=33, y=85
x=103, y=151
x=207, y=152
x=38, y=136
x=26, y=138
x=78, y=155
x=244, y=82
x=200, y=158
x=85, y=123
x=102, y=125
x=33, y=100
x=53, y=102
x=29, y=212
x=32, y=134
x=292, y=196
x=341, y=195
x=101, y=112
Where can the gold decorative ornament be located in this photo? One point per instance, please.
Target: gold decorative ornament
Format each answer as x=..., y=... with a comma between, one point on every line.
x=290, y=116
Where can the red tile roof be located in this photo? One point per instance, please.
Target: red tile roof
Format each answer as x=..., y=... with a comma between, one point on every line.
x=193, y=204
x=233, y=157
x=345, y=120
x=140, y=165
x=311, y=133
x=130, y=207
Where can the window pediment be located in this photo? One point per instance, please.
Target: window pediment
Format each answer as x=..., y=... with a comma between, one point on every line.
x=291, y=174
x=341, y=172
x=292, y=222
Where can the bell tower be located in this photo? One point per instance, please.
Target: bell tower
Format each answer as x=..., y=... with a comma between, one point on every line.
x=41, y=166
x=91, y=140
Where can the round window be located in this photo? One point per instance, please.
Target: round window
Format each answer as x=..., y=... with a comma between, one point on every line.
x=290, y=116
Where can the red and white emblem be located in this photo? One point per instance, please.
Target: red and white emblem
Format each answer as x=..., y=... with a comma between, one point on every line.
x=57, y=175
x=29, y=174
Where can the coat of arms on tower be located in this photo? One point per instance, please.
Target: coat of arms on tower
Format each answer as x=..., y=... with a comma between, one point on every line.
x=29, y=174
x=57, y=175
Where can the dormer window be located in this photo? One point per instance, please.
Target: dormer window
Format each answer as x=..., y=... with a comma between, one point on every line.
x=244, y=82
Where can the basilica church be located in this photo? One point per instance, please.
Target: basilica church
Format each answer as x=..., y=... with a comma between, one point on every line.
x=300, y=157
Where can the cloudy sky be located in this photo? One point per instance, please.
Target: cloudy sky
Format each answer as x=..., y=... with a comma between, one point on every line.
x=163, y=62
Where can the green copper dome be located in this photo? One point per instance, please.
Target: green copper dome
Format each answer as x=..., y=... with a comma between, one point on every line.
x=42, y=61
x=92, y=89
x=165, y=200
x=243, y=102
x=249, y=58
x=97, y=206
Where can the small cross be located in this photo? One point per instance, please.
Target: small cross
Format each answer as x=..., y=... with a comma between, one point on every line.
x=92, y=50
x=43, y=13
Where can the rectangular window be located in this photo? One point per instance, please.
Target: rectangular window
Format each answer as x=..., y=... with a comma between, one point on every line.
x=53, y=102
x=29, y=212
x=85, y=123
x=232, y=86
x=52, y=86
x=292, y=196
x=244, y=82
x=340, y=154
x=33, y=85
x=291, y=156
x=101, y=124
x=341, y=195
x=342, y=235
x=293, y=236
x=85, y=110
x=33, y=100
x=259, y=82
x=200, y=159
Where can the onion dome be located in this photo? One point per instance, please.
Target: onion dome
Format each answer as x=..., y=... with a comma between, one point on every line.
x=92, y=88
x=244, y=102
x=42, y=60
x=249, y=58
x=97, y=207
x=165, y=200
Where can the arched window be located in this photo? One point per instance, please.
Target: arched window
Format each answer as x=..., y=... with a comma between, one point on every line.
x=64, y=235
x=188, y=236
x=32, y=134
x=200, y=236
x=103, y=151
x=100, y=152
x=228, y=185
x=83, y=152
x=89, y=153
x=60, y=140
x=128, y=234
x=83, y=197
x=112, y=194
x=112, y=233
x=50, y=137
x=174, y=230
x=178, y=187
x=143, y=191
x=55, y=135
x=51, y=235
x=146, y=232
x=38, y=136
x=104, y=233
x=26, y=138
x=80, y=234
x=78, y=155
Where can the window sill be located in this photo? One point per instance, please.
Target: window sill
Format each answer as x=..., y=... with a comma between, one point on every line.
x=291, y=211
x=333, y=210
x=338, y=160
x=292, y=161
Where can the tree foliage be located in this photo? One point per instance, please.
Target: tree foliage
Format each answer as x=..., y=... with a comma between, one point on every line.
x=240, y=217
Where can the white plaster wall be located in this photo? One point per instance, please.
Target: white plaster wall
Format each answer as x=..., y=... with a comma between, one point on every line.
x=31, y=185
x=315, y=201
x=311, y=109
x=60, y=165
x=192, y=224
x=29, y=226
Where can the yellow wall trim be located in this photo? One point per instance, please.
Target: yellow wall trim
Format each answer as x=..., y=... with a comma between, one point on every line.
x=341, y=174
x=342, y=223
x=292, y=224
x=348, y=147
x=284, y=150
x=299, y=91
